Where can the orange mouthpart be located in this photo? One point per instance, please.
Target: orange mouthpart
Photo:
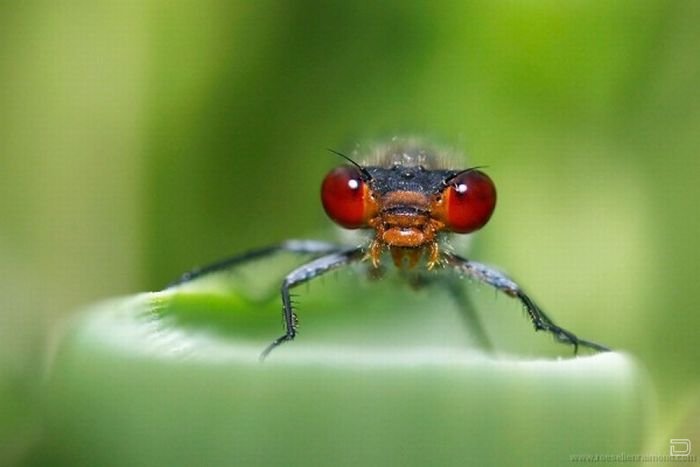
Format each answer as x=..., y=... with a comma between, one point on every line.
x=405, y=226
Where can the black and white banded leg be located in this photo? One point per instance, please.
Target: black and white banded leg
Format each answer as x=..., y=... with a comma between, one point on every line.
x=503, y=283
x=302, y=247
x=305, y=273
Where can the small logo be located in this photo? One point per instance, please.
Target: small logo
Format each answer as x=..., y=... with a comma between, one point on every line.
x=679, y=447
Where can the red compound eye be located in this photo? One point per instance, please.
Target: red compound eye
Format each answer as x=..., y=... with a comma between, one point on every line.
x=346, y=198
x=469, y=202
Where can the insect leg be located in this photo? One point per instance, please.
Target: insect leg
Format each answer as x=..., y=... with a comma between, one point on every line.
x=302, y=274
x=503, y=283
x=311, y=247
x=468, y=312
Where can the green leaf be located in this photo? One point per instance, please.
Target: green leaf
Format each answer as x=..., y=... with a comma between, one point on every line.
x=383, y=378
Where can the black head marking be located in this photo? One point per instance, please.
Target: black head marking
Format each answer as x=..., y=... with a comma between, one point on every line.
x=408, y=178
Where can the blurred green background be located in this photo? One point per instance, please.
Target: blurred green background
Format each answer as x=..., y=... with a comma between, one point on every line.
x=138, y=139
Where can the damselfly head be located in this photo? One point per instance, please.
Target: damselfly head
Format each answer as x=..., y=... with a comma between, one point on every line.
x=408, y=200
